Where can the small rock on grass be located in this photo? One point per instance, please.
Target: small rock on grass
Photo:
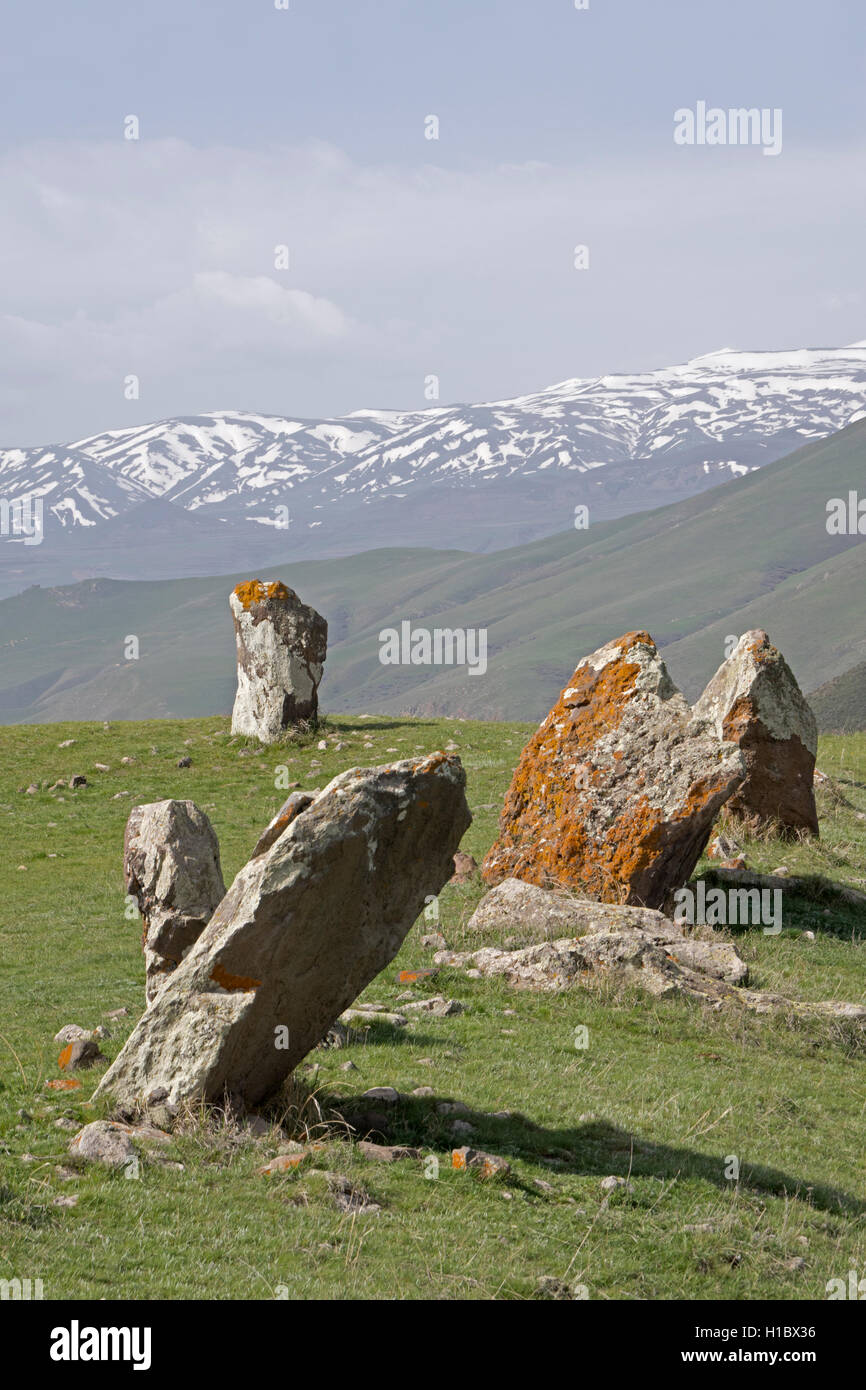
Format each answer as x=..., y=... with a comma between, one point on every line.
x=612, y=1183
x=102, y=1141
x=79, y=1055
x=71, y=1032
x=490, y=1165
x=386, y=1153
x=386, y=1095
x=349, y=1198
x=550, y=1287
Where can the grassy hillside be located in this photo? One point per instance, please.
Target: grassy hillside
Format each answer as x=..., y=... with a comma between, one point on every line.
x=753, y=553
x=840, y=704
x=663, y=1096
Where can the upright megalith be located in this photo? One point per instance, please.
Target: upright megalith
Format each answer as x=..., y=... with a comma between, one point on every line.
x=281, y=649
x=754, y=700
x=616, y=793
x=171, y=866
x=303, y=928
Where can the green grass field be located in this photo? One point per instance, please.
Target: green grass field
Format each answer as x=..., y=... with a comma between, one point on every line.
x=666, y=1095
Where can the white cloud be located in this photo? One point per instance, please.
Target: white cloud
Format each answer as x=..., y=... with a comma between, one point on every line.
x=157, y=258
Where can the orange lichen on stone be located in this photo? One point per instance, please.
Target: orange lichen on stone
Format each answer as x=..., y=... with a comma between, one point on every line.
x=63, y=1059
x=612, y=794
x=254, y=591
x=458, y=1158
x=221, y=976
x=407, y=976
x=283, y=1163
x=65, y=1085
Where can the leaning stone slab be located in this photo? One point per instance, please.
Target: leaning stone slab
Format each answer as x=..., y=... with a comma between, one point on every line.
x=300, y=933
x=754, y=701
x=281, y=649
x=171, y=866
x=616, y=794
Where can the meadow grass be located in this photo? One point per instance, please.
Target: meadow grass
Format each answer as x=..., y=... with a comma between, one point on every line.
x=667, y=1094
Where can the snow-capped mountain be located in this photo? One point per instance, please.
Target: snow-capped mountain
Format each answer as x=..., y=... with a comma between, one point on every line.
x=477, y=476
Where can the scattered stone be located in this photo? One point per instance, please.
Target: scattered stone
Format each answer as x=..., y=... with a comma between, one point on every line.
x=184, y=762
x=65, y=1200
x=612, y=1183
x=386, y=1095
x=617, y=792
x=64, y=1084
x=437, y=1006
x=366, y=1017
x=722, y=847
x=287, y=1162
x=117, y=1013
x=550, y=1287
x=67, y=743
x=70, y=1032
x=423, y=1092
x=102, y=767
x=79, y=780
x=434, y=941
x=386, y=1153
x=754, y=701
x=465, y=868
x=631, y=945
x=302, y=931
x=452, y=1107
x=104, y=1141
x=490, y=1165
x=348, y=1066
x=462, y=1128
x=349, y=1198
x=808, y=935
x=281, y=649
x=80, y=1055
x=171, y=865
x=64, y=1123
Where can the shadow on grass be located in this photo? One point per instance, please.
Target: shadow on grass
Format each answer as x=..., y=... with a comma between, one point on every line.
x=595, y=1148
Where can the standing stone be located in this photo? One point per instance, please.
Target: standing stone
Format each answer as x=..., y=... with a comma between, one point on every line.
x=754, y=700
x=281, y=649
x=171, y=866
x=616, y=793
x=300, y=933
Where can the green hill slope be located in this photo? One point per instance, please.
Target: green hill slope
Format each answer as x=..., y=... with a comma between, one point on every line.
x=752, y=553
x=840, y=704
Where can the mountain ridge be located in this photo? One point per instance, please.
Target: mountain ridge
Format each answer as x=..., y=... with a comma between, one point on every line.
x=754, y=552
x=484, y=476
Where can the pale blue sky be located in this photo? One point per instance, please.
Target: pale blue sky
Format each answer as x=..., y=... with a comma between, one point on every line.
x=408, y=256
